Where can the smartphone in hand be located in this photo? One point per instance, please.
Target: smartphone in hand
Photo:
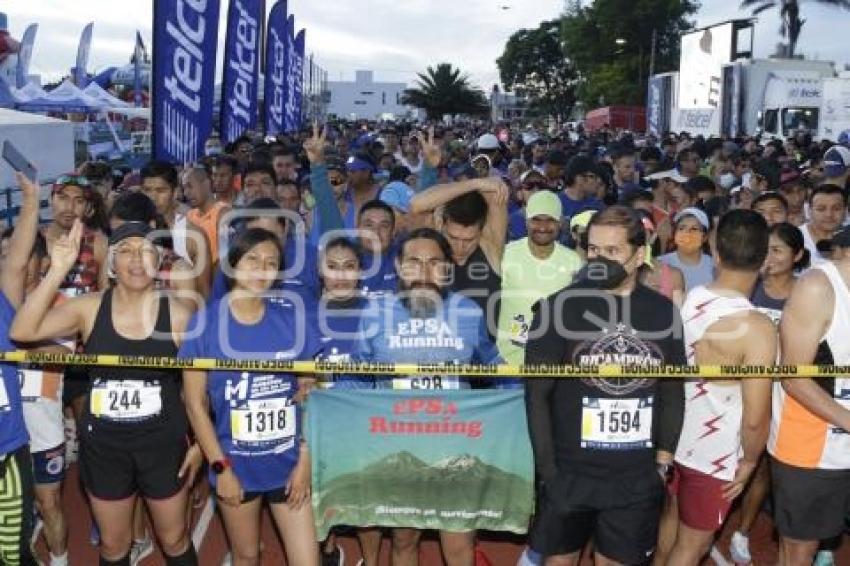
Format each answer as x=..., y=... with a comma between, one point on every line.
x=17, y=160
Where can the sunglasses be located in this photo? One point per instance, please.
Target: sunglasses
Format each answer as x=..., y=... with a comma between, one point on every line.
x=74, y=180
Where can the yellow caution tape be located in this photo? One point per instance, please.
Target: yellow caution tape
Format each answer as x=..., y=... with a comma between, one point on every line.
x=467, y=370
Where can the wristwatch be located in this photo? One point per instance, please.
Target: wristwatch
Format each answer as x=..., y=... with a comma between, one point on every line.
x=219, y=466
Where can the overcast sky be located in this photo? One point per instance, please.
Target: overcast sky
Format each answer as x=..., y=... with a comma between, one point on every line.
x=395, y=38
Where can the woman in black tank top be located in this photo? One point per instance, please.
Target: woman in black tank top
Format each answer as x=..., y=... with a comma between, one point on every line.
x=134, y=429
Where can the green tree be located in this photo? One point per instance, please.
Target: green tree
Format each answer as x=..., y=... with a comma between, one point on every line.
x=792, y=25
x=534, y=65
x=445, y=90
x=610, y=42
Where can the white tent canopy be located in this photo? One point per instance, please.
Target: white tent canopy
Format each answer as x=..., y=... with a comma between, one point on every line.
x=97, y=92
x=29, y=92
x=67, y=97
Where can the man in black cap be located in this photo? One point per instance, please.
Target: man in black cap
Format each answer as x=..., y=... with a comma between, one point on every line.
x=582, y=180
x=553, y=169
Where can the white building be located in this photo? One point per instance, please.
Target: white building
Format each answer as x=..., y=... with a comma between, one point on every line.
x=506, y=106
x=365, y=99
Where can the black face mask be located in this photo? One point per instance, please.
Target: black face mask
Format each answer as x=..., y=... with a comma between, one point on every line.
x=603, y=273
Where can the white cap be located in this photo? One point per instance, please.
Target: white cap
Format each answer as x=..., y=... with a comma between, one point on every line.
x=701, y=217
x=488, y=141
x=672, y=174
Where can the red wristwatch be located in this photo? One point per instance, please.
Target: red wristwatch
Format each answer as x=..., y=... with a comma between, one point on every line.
x=219, y=466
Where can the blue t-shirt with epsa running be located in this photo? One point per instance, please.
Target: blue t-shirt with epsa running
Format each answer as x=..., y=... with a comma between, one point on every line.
x=13, y=430
x=456, y=333
x=257, y=424
x=339, y=325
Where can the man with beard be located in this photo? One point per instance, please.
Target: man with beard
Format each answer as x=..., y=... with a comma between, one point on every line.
x=604, y=447
x=425, y=323
x=532, y=268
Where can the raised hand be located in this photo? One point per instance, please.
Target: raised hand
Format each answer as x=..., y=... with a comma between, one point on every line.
x=431, y=151
x=66, y=249
x=29, y=189
x=493, y=189
x=315, y=145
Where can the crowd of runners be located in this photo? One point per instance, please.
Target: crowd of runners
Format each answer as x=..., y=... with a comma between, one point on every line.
x=471, y=243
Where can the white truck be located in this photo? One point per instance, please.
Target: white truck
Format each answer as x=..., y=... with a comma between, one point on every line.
x=767, y=97
x=835, y=108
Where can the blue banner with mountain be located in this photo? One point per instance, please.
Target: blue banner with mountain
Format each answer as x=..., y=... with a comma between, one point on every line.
x=451, y=460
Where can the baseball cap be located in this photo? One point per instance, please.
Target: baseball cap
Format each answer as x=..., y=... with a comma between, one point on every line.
x=836, y=161
x=484, y=157
x=129, y=230
x=529, y=173
x=844, y=138
x=397, y=194
x=488, y=141
x=582, y=219
x=72, y=180
x=355, y=163
x=543, y=203
x=671, y=174
x=696, y=213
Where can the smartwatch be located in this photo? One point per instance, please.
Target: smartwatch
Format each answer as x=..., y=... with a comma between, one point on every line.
x=665, y=471
x=219, y=466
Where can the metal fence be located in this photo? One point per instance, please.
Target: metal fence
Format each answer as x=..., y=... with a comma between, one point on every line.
x=10, y=203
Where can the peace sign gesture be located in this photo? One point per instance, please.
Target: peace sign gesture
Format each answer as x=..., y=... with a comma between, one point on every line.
x=315, y=146
x=432, y=151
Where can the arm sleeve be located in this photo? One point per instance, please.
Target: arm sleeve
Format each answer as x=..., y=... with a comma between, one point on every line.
x=427, y=177
x=671, y=393
x=326, y=207
x=542, y=348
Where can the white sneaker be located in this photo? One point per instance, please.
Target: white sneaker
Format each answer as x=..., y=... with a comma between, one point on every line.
x=739, y=548
x=140, y=550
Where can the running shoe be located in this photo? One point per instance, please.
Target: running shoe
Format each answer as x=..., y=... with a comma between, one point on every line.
x=335, y=558
x=824, y=558
x=739, y=548
x=140, y=550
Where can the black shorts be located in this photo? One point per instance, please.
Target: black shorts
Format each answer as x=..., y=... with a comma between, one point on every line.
x=75, y=384
x=272, y=496
x=567, y=520
x=116, y=464
x=809, y=504
x=49, y=465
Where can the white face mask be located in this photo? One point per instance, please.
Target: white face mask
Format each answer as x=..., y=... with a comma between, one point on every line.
x=727, y=180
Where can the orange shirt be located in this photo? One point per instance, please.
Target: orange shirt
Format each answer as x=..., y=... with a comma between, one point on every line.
x=208, y=223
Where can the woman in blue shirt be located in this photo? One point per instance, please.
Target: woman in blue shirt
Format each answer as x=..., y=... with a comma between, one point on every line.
x=340, y=309
x=253, y=441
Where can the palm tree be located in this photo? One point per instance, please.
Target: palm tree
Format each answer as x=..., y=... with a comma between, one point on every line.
x=445, y=90
x=790, y=13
